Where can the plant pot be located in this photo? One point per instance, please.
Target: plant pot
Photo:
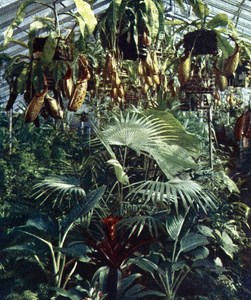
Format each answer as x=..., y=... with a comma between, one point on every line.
x=63, y=49
x=201, y=42
x=127, y=47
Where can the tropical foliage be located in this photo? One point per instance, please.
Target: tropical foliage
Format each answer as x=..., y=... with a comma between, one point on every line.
x=129, y=207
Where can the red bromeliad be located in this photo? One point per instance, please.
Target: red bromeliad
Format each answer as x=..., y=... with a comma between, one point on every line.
x=114, y=247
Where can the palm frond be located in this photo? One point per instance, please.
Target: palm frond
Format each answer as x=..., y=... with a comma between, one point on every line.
x=134, y=131
x=150, y=136
x=135, y=225
x=58, y=187
x=176, y=132
x=175, y=191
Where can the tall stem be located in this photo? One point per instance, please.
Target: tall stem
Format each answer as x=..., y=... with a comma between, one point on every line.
x=210, y=137
x=57, y=28
x=10, y=130
x=121, y=185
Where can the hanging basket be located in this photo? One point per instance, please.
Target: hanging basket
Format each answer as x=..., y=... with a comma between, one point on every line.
x=63, y=51
x=201, y=42
x=127, y=47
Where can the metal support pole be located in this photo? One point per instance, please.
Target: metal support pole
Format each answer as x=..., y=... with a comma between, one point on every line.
x=10, y=113
x=210, y=135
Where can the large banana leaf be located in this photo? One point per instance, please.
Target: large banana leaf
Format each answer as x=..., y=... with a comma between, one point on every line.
x=86, y=18
x=109, y=24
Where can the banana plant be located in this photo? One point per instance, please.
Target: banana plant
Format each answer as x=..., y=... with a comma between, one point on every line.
x=220, y=24
x=84, y=18
x=44, y=240
x=48, y=55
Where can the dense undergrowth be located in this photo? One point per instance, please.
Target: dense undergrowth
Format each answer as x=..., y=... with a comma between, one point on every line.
x=115, y=216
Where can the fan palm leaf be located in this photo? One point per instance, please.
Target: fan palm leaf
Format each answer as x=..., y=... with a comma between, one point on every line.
x=177, y=191
x=176, y=133
x=59, y=187
x=151, y=136
x=134, y=225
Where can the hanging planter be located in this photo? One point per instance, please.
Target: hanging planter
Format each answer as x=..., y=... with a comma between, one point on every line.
x=201, y=42
x=50, y=75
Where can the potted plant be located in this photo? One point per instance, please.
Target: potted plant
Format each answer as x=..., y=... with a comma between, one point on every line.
x=128, y=30
x=53, y=71
x=211, y=47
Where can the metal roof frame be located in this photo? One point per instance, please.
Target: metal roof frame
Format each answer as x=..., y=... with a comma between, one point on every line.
x=238, y=11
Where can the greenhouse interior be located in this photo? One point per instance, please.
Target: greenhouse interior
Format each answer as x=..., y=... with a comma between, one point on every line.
x=125, y=149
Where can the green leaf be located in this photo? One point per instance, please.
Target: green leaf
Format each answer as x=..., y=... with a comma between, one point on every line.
x=43, y=223
x=174, y=225
x=150, y=293
x=175, y=132
x=82, y=208
x=231, y=185
x=219, y=20
x=200, y=9
x=205, y=230
x=18, y=19
x=49, y=48
x=133, y=292
x=114, y=13
x=37, y=75
x=58, y=187
x=192, y=241
x=21, y=82
x=119, y=171
x=58, y=69
x=68, y=294
x=145, y=264
x=178, y=266
x=76, y=250
x=124, y=284
x=84, y=9
x=200, y=253
x=150, y=17
x=17, y=42
x=100, y=276
x=224, y=45
x=109, y=24
x=81, y=24
x=25, y=250
x=41, y=23
x=178, y=159
x=151, y=136
x=228, y=245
